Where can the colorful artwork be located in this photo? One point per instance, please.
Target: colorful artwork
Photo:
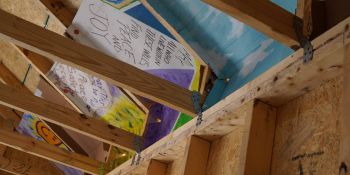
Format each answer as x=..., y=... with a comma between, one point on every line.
x=119, y=4
x=97, y=98
x=33, y=127
x=136, y=37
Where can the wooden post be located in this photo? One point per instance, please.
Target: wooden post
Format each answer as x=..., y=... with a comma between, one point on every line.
x=67, y=118
x=262, y=15
x=258, y=137
x=156, y=168
x=345, y=118
x=196, y=156
x=91, y=61
x=303, y=11
x=49, y=152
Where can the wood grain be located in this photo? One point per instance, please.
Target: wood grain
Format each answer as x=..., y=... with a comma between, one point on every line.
x=345, y=117
x=156, y=168
x=88, y=60
x=48, y=151
x=258, y=136
x=59, y=10
x=196, y=156
x=264, y=16
x=65, y=117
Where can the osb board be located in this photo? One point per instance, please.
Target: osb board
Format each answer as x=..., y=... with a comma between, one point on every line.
x=307, y=132
x=33, y=11
x=174, y=168
x=224, y=154
x=18, y=65
x=73, y=5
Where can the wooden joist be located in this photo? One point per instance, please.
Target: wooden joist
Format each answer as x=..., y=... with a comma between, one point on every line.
x=66, y=51
x=8, y=124
x=344, y=154
x=264, y=16
x=60, y=11
x=258, y=137
x=66, y=118
x=50, y=152
x=282, y=83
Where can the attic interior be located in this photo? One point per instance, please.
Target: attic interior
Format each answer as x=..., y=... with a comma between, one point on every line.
x=174, y=87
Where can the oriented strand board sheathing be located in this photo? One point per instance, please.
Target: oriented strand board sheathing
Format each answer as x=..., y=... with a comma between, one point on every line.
x=18, y=65
x=33, y=11
x=174, y=168
x=308, y=132
x=73, y=5
x=224, y=154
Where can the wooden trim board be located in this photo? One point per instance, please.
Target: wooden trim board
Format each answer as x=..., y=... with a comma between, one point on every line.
x=285, y=81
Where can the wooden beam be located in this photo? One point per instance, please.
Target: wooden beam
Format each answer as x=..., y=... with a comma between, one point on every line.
x=19, y=168
x=156, y=168
x=303, y=11
x=282, y=83
x=60, y=11
x=344, y=154
x=8, y=124
x=49, y=152
x=258, y=137
x=264, y=16
x=67, y=118
x=8, y=78
x=91, y=61
x=196, y=156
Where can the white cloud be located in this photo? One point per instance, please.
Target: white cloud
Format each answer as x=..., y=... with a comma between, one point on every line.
x=250, y=62
x=237, y=29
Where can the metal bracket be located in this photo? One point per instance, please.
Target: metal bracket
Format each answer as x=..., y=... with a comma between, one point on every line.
x=298, y=25
x=196, y=96
x=137, y=144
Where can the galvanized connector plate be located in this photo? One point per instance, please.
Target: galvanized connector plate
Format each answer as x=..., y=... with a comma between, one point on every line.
x=308, y=52
x=298, y=25
x=196, y=96
x=199, y=119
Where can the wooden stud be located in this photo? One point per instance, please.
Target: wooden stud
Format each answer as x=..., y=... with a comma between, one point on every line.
x=156, y=168
x=345, y=118
x=264, y=16
x=196, y=156
x=91, y=61
x=258, y=136
x=8, y=124
x=49, y=152
x=67, y=118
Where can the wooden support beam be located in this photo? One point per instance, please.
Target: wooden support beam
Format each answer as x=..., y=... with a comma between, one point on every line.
x=8, y=124
x=19, y=168
x=264, y=16
x=91, y=61
x=67, y=118
x=258, y=137
x=156, y=168
x=196, y=156
x=60, y=11
x=282, y=83
x=49, y=152
x=303, y=11
x=344, y=154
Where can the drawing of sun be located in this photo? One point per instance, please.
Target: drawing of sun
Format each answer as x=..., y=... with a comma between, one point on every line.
x=119, y=4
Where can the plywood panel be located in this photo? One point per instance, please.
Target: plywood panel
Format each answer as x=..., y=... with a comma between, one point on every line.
x=308, y=132
x=224, y=154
